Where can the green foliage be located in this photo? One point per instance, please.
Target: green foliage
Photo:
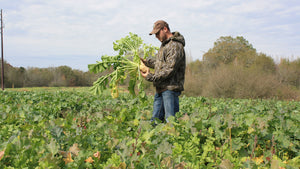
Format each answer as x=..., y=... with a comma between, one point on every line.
x=233, y=69
x=289, y=72
x=237, y=82
x=227, y=49
x=125, y=64
x=75, y=129
x=15, y=77
x=264, y=63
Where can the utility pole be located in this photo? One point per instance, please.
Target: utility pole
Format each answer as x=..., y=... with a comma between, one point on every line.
x=2, y=62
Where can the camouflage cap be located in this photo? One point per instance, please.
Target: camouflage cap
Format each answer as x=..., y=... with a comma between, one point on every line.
x=158, y=25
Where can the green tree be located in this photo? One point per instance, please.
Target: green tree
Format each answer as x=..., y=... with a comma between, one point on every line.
x=38, y=77
x=52, y=76
x=289, y=72
x=264, y=63
x=228, y=50
x=7, y=69
x=16, y=76
x=64, y=76
x=195, y=67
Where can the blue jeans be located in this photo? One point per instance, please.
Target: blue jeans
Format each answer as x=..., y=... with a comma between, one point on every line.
x=165, y=104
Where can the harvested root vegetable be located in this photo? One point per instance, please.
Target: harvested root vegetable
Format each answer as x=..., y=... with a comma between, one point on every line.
x=143, y=67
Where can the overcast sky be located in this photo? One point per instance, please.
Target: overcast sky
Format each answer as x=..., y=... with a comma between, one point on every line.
x=50, y=33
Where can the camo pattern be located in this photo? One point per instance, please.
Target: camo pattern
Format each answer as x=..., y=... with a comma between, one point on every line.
x=169, y=65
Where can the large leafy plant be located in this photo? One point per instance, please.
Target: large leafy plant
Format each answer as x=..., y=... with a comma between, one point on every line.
x=70, y=128
x=126, y=64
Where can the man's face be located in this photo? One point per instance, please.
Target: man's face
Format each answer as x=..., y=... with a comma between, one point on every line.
x=161, y=34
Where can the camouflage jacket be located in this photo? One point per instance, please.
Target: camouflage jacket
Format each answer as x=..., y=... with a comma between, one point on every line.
x=169, y=65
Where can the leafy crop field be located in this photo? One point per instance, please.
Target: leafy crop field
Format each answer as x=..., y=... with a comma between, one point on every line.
x=71, y=128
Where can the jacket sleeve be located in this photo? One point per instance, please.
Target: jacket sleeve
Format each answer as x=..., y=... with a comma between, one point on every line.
x=170, y=64
x=150, y=62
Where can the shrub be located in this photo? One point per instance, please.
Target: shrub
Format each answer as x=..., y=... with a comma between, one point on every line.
x=229, y=81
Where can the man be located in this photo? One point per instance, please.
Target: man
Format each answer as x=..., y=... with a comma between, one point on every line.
x=169, y=66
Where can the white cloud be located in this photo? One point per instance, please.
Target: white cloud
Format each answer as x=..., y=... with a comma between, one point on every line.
x=40, y=29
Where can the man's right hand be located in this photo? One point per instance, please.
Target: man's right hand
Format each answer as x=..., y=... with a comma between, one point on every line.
x=144, y=74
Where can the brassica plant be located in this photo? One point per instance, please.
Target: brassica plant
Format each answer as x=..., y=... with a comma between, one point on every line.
x=126, y=64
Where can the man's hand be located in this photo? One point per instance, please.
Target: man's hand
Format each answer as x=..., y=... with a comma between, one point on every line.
x=144, y=69
x=145, y=73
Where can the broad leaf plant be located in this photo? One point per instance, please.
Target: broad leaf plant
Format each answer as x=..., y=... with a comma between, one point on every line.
x=126, y=64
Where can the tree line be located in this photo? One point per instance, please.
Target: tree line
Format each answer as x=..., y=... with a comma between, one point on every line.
x=232, y=68
x=64, y=76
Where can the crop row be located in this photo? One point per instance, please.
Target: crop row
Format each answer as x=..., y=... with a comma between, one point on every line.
x=74, y=129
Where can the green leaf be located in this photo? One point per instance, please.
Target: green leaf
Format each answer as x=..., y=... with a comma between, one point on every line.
x=130, y=49
x=165, y=147
x=53, y=147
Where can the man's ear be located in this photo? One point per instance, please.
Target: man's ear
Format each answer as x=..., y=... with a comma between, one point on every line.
x=165, y=29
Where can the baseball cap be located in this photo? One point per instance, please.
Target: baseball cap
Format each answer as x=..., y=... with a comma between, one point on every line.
x=158, y=25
